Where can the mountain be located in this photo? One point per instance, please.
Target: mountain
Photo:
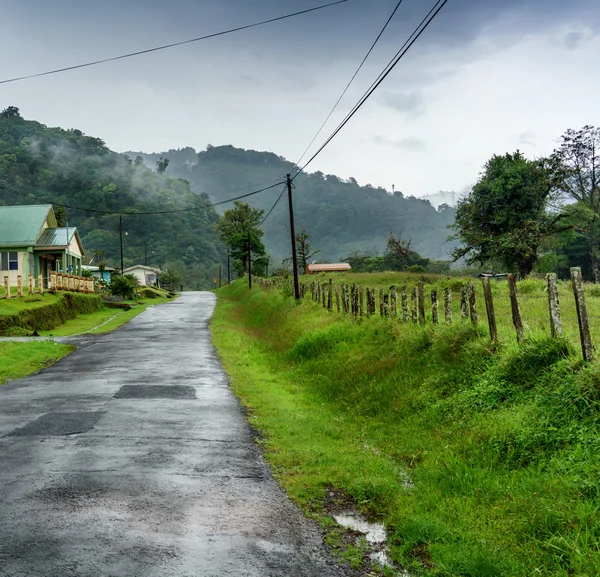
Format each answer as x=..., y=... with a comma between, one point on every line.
x=39, y=164
x=341, y=216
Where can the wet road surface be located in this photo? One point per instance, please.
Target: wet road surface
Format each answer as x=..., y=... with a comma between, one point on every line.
x=131, y=457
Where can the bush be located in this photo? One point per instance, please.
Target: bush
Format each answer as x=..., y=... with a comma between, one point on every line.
x=123, y=286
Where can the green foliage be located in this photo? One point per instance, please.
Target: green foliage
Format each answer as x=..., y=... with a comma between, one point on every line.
x=170, y=278
x=123, y=286
x=239, y=229
x=22, y=359
x=38, y=163
x=504, y=218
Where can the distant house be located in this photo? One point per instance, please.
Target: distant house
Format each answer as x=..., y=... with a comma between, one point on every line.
x=330, y=267
x=146, y=275
x=31, y=243
x=95, y=270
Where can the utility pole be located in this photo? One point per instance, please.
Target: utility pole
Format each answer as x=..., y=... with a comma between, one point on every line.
x=121, y=239
x=293, y=234
x=249, y=262
x=228, y=267
x=145, y=254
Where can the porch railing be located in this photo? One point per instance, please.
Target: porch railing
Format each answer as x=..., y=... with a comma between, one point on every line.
x=55, y=282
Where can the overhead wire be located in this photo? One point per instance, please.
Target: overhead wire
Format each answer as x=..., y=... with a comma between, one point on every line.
x=189, y=209
x=273, y=207
x=386, y=71
x=349, y=84
x=173, y=44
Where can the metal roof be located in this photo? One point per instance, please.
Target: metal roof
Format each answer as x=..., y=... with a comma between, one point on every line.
x=329, y=267
x=22, y=225
x=57, y=238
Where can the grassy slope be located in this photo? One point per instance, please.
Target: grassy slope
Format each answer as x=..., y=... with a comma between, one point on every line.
x=501, y=442
x=533, y=296
x=22, y=359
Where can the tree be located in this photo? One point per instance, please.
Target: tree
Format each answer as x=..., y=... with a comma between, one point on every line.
x=161, y=165
x=576, y=175
x=61, y=216
x=303, y=250
x=10, y=112
x=139, y=161
x=238, y=226
x=504, y=219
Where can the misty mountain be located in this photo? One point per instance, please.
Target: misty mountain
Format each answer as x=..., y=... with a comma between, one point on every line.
x=41, y=165
x=341, y=216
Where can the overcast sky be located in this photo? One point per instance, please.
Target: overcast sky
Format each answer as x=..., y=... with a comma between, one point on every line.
x=486, y=77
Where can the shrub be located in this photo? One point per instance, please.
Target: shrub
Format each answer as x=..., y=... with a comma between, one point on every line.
x=123, y=286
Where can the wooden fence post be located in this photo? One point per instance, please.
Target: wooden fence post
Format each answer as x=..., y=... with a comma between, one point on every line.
x=404, y=299
x=434, y=307
x=584, y=328
x=472, y=304
x=464, y=302
x=355, y=299
x=515, y=306
x=489, y=307
x=381, y=313
x=361, y=299
x=40, y=284
x=386, y=304
x=337, y=297
x=448, y=305
x=30, y=283
x=19, y=285
x=324, y=296
x=554, y=306
x=393, y=302
x=53, y=281
x=330, y=296
x=413, y=304
x=421, y=302
x=345, y=297
x=6, y=288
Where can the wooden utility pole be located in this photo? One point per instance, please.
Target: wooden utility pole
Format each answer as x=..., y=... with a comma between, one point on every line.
x=228, y=267
x=249, y=261
x=293, y=235
x=120, y=240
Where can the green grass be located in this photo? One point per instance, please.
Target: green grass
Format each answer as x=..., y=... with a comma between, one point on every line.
x=482, y=459
x=102, y=321
x=532, y=292
x=16, y=304
x=22, y=359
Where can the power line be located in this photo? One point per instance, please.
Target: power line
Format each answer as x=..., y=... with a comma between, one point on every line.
x=164, y=47
x=190, y=209
x=349, y=83
x=399, y=55
x=273, y=207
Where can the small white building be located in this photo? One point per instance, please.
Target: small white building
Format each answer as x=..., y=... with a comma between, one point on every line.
x=146, y=275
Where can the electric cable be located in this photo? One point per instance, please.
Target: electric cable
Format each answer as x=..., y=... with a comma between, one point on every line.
x=399, y=55
x=273, y=207
x=165, y=46
x=349, y=84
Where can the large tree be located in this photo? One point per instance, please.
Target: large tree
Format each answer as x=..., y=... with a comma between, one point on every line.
x=505, y=218
x=239, y=229
x=576, y=172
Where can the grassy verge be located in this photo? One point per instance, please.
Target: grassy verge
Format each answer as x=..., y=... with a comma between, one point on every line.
x=482, y=460
x=22, y=359
x=102, y=321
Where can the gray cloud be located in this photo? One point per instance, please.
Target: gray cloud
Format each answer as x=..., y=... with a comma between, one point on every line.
x=408, y=143
x=408, y=102
x=526, y=138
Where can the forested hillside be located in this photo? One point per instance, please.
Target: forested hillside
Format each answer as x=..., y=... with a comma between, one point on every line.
x=39, y=164
x=340, y=216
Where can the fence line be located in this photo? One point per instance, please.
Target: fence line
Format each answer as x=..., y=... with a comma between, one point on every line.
x=349, y=300
x=54, y=282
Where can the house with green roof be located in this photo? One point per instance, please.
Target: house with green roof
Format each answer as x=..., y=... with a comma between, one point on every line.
x=31, y=243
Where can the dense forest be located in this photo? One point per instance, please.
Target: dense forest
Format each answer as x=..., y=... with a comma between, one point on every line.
x=341, y=217
x=39, y=164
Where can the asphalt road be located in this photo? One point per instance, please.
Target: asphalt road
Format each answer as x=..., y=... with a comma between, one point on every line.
x=132, y=457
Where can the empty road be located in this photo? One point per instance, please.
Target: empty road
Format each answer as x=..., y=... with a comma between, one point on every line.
x=132, y=457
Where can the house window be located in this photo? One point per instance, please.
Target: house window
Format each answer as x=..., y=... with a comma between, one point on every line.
x=9, y=261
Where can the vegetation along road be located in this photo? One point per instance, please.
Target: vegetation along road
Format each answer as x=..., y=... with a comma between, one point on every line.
x=131, y=456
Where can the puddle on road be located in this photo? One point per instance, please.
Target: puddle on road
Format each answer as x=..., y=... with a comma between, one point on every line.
x=374, y=533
